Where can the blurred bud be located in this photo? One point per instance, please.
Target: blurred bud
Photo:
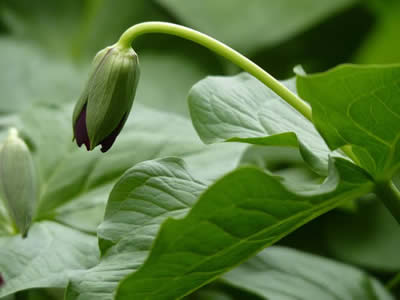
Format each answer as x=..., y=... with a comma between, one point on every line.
x=18, y=183
x=107, y=99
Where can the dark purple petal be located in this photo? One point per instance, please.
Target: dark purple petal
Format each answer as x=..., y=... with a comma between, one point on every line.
x=110, y=139
x=81, y=133
x=2, y=282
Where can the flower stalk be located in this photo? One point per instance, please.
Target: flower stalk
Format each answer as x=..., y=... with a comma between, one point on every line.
x=221, y=49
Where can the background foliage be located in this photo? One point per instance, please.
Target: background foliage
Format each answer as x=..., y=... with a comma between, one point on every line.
x=82, y=246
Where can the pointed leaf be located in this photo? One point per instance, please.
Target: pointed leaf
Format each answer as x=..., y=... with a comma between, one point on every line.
x=358, y=106
x=241, y=108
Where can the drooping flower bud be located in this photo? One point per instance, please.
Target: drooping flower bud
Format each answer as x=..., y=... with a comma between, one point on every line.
x=107, y=99
x=18, y=181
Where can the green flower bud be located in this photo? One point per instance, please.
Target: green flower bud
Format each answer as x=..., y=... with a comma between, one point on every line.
x=107, y=99
x=18, y=183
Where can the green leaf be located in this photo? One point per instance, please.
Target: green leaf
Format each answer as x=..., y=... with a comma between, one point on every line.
x=240, y=108
x=144, y=197
x=47, y=257
x=277, y=20
x=357, y=106
x=370, y=237
x=285, y=162
x=153, y=191
x=240, y=214
x=284, y=273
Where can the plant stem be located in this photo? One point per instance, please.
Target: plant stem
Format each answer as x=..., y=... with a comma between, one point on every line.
x=221, y=49
x=390, y=196
x=232, y=55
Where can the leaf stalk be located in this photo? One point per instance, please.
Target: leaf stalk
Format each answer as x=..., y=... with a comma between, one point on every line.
x=390, y=196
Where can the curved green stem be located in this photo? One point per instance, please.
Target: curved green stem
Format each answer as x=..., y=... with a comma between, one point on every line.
x=221, y=49
x=390, y=196
x=232, y=55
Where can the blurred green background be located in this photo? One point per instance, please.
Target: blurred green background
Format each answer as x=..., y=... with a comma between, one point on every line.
x=40, y=38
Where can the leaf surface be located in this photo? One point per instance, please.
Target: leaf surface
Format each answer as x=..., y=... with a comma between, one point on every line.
x=284, y=273
x=144, y=197
x=47, y=257
x=241, y=108
x=358, y=106
x=225, y=227
x=239, y=215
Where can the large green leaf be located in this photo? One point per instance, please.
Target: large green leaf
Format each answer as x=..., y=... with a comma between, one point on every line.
x=143, y=198
x=284, y=273
x=48, y=257
x=227, y=226
x=358, y=106
x=240, y=25
x=241, y=108
x=240, y=214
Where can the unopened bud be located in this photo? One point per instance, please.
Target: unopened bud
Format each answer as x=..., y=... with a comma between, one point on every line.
x=18, y=183
x=107, y=99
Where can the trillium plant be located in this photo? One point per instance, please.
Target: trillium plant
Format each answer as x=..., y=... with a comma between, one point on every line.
x=311, y=144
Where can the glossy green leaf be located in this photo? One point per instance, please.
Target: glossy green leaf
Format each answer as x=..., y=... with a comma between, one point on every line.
x=241, y=108
x=240, y=214
x=284, y=273
x=277, y=20
x=143, y=198
x=153, y=191
x=47, y=257
x=358, y=106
